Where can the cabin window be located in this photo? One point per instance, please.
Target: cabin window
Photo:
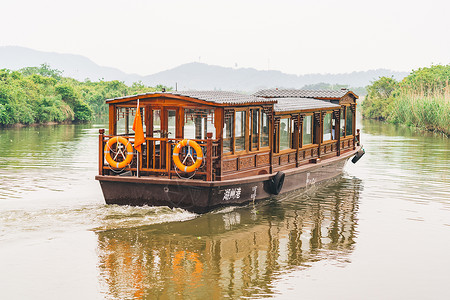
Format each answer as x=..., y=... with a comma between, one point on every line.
x=254, y=123
x=327, y=136
x=125, y=118
x=171, y=123
x=285, y=133
x=198, y=122
x=157, y=123
x=264, y=141
x=349, y=122
x=240, y=131
x=342, y=122
x=307, y=130
x=228, y=134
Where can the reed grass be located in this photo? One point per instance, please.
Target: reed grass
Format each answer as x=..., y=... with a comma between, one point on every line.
x=429, y=110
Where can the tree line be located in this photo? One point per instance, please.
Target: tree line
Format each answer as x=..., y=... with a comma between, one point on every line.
x=41, y=95
x=421, y=99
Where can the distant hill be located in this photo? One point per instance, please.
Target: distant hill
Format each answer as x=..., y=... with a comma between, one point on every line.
x=190, y=76
x=75, y=66
x=202, y=76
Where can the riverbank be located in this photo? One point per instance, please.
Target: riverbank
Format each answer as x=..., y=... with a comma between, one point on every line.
x=421, y=100
x=429, y=112
x=41, y=95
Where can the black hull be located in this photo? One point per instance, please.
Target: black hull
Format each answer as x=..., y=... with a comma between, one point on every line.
x=202, y=196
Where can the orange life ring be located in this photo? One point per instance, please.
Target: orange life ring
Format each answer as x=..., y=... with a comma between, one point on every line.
x=126, y=159
x=176, y=158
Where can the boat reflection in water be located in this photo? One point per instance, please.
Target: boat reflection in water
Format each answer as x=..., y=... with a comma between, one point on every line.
x=233, y=252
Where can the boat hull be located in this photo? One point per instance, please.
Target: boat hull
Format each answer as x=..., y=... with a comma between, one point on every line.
x=201, y=196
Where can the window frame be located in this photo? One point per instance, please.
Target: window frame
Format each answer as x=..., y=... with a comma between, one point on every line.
x=210, y=116
x=245, y=131
x=330, y=127
x=289, y=134
x=348, y=110
x=251, y=128
x=230, y=139
x=311, y=133
x=261, y=122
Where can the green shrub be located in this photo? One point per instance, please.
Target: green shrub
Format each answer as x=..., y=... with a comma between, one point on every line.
x=82, y=112
x=41, y=94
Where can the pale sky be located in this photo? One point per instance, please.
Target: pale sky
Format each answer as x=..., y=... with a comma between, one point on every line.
x=296, y=37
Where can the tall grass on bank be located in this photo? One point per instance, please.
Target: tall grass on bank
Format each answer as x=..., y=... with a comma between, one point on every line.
x=426, y=110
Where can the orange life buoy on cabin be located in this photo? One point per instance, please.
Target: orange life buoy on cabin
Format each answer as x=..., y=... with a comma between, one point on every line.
x=126, y=159
x=176, y=158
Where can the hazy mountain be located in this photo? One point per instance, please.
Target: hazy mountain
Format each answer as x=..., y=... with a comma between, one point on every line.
x=190, y=76
x=75, y=66
x=201, y=76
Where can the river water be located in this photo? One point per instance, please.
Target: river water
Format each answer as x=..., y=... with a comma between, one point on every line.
x=380, y=231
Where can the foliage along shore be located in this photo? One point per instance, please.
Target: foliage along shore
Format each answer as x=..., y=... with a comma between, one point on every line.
x=422, y=99
x=41, y=95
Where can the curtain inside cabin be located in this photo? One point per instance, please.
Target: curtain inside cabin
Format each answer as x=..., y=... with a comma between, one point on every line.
x=327, y=127
x=307, y=130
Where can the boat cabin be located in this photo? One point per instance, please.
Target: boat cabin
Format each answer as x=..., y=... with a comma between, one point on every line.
x=237, y=135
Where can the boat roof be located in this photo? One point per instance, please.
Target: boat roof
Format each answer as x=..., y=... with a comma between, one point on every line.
x=225, y=98
x=296, y=93
x=213, y=97
x=302, y=104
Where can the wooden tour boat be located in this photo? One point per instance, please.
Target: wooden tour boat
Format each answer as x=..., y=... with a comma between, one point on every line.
x=199, y=150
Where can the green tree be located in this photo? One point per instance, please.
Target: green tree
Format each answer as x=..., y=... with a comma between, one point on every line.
x=67, y=93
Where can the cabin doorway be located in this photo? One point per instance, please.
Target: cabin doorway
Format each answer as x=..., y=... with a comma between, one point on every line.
x=163, y=122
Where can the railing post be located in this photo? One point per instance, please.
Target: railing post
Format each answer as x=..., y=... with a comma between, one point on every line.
x=100, y=151
x=359, y=137
x=169, y=160
x=209, y=156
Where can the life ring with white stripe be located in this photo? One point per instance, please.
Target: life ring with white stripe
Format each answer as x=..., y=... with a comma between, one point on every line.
x=127, y=157
x=176, y=158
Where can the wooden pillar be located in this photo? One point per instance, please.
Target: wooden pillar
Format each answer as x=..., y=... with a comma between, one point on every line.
x=127, y=121
x=300, y=137
x=344, y=109
x=219, y=123
x=296, y=140
x=169, y=160
x=148, y=120
x=353, y=112
x=112, y=120
x=271, y=130
x=209, y=156
x=276, y=134
x=100, y=151
x=359, y=137
x=198, y=126
x=318, y=130
x=179, y=123
x=247, y=130
x=337, y=130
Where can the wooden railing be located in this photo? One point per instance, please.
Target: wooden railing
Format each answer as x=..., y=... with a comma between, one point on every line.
x=262, y=162
x=156, y=157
